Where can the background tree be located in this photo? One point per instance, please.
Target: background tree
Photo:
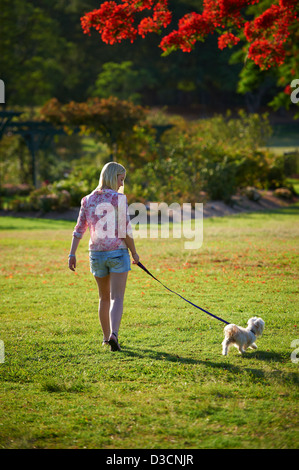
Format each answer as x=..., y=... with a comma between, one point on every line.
x=34, y=56
x=268, y=29
x=44, y=55
x=116, y=122
x=122, y=80
x=269, y=34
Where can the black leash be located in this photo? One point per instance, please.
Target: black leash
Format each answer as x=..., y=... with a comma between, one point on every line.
x=147, y=271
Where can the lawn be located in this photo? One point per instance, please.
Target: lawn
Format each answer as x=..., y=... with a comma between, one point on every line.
x=170, y=387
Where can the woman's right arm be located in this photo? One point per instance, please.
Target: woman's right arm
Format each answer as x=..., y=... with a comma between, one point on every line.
x=72, y=255
x=78, y=233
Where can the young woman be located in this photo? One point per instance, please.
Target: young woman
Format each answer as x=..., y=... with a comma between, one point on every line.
x=105, y=213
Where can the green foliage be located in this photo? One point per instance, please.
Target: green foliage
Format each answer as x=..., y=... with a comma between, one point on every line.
x=118, y=123
x=122, y=81
x=268, y=87
x=79, y=182
x=15, y=189
x=167, y=158
x=47, y=198
x=57, y=196
x=34, y=56
x=220, y=179
x=110, y=118
x=45, y=54
x=15, y=165
x=216, y=156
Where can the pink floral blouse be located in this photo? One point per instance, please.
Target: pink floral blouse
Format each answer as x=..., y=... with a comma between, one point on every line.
x=105, y=213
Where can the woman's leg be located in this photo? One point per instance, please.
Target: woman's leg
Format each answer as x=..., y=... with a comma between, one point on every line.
x=104, y=304
x=117, y=292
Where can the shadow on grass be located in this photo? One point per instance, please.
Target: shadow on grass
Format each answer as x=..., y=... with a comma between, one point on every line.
x=267, y=356
x=163, y=356
x=273, y=358
x=256, y=374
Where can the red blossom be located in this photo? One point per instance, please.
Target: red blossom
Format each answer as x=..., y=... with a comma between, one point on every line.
x=192, y=27
x=288, y=90
x=266, y=54
x=227, y=39
x=268, y=35
x=114, y=22
x=161, y=17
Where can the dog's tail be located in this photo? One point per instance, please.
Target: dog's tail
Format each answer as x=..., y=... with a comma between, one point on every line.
x=230, y=330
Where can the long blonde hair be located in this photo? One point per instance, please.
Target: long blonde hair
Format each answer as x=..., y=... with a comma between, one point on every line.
x=109, y=174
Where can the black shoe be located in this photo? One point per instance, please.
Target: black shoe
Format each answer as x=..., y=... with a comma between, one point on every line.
x=113, y=341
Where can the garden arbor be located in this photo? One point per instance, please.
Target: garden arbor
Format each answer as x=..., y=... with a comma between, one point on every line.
x=36, y=134
x=112, y=120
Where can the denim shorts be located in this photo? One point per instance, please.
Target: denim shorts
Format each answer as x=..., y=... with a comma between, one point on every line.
x=104, y=262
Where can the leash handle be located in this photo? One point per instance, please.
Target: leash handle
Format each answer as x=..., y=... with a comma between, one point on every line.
x=186, y=300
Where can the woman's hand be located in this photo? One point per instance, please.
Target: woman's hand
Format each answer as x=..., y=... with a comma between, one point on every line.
x=72, y=263
x=135, y=258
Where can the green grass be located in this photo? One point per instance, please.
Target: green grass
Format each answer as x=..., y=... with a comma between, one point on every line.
x=170, y=387
x=295, y=183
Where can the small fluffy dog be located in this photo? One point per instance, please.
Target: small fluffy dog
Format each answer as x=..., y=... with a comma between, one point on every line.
x=242, y=338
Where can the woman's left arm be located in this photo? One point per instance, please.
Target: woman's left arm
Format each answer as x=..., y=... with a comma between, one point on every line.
x=129, y=240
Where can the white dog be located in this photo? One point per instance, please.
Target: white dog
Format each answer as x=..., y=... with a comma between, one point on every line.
x=242, y=338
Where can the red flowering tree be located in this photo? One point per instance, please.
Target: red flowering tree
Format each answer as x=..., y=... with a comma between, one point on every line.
x=268, y=35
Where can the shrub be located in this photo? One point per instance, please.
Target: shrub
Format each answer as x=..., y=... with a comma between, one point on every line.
x=252, y=194
x=218, y=155
x=291, y=163
x=47, y=198
x=276, y=175
x=283, y=193
x=220, y=179
x=75, y=189
x=15, y=189
x=82, y=180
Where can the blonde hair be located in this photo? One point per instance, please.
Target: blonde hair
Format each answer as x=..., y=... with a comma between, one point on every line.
x=109, y=174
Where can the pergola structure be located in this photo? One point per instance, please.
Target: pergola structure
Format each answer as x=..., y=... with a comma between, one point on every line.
x=36, y=134
x=39, y=134
x=5, y=118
